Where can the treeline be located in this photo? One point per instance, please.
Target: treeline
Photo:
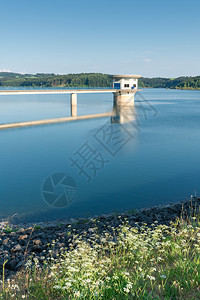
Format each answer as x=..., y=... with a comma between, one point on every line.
x=91, y=80
x=171, y=83
x=159, y=82
x=52, y=80
x=190, y=83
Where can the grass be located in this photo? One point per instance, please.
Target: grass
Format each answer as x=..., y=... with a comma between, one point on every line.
x=82, y=221
x=8, y=229
x=37, y=227
x=161, y=262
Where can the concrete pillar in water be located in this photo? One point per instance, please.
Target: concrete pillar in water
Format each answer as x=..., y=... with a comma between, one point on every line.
x=124, y=98
x=73, y=100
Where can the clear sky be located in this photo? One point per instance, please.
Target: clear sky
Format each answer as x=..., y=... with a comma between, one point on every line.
x=149, y=37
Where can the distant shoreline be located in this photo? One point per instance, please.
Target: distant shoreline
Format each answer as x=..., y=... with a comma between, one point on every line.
x=164, y=214
x=85, y=87
x=186, y=89
x=89, y=80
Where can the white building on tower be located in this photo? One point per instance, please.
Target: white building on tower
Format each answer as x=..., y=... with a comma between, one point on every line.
x=125, y=82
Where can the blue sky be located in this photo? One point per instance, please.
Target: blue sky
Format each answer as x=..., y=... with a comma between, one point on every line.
x=151, y=38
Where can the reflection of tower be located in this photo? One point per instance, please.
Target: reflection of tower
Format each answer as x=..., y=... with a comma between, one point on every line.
x=123, y=113
x=124, y=97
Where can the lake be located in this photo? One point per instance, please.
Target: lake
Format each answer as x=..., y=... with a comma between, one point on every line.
x=92, y=167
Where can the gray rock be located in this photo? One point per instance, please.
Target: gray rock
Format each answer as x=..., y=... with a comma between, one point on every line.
x=23, y=237
x=37, y=242
x=6, y=241
x=21, y=230
x=16, y=248
x=13, y=233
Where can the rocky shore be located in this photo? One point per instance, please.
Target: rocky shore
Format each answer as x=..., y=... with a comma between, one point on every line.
x=19, y=242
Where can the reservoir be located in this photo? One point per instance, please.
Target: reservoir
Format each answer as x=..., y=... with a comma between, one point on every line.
x=144, y=156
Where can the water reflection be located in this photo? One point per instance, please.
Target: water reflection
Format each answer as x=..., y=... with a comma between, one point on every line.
x=123, y=113
x=151, y=169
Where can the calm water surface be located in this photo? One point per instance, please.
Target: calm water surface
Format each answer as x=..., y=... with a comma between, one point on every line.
x=156, y=157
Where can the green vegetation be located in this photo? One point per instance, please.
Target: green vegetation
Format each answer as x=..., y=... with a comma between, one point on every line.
x=91, y=80
x=52, y=80
x=83, y=221
x=161, y=262
x=161, y=82
x=37, y=227
x=190, y=83
x=172, y=83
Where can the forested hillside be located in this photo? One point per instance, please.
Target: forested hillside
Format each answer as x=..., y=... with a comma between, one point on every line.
x=190, y=83
x=91, y=80
x=52, y=80
x=171, y=83
x=159, y=82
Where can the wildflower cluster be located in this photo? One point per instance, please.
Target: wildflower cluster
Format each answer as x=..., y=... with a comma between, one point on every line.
x=136, y=262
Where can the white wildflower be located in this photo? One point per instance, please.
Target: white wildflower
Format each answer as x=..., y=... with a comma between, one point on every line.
x=126, y=290
x=126, y=273
x=77, y=293
x=151, y=277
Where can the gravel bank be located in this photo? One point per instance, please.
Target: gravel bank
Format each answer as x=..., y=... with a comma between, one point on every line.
x=18, y=242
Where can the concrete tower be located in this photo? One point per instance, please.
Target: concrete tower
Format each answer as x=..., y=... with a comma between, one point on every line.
x=126, y=86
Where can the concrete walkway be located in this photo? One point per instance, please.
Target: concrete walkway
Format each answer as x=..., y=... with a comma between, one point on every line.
x=37, y=92
x=54, y=121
